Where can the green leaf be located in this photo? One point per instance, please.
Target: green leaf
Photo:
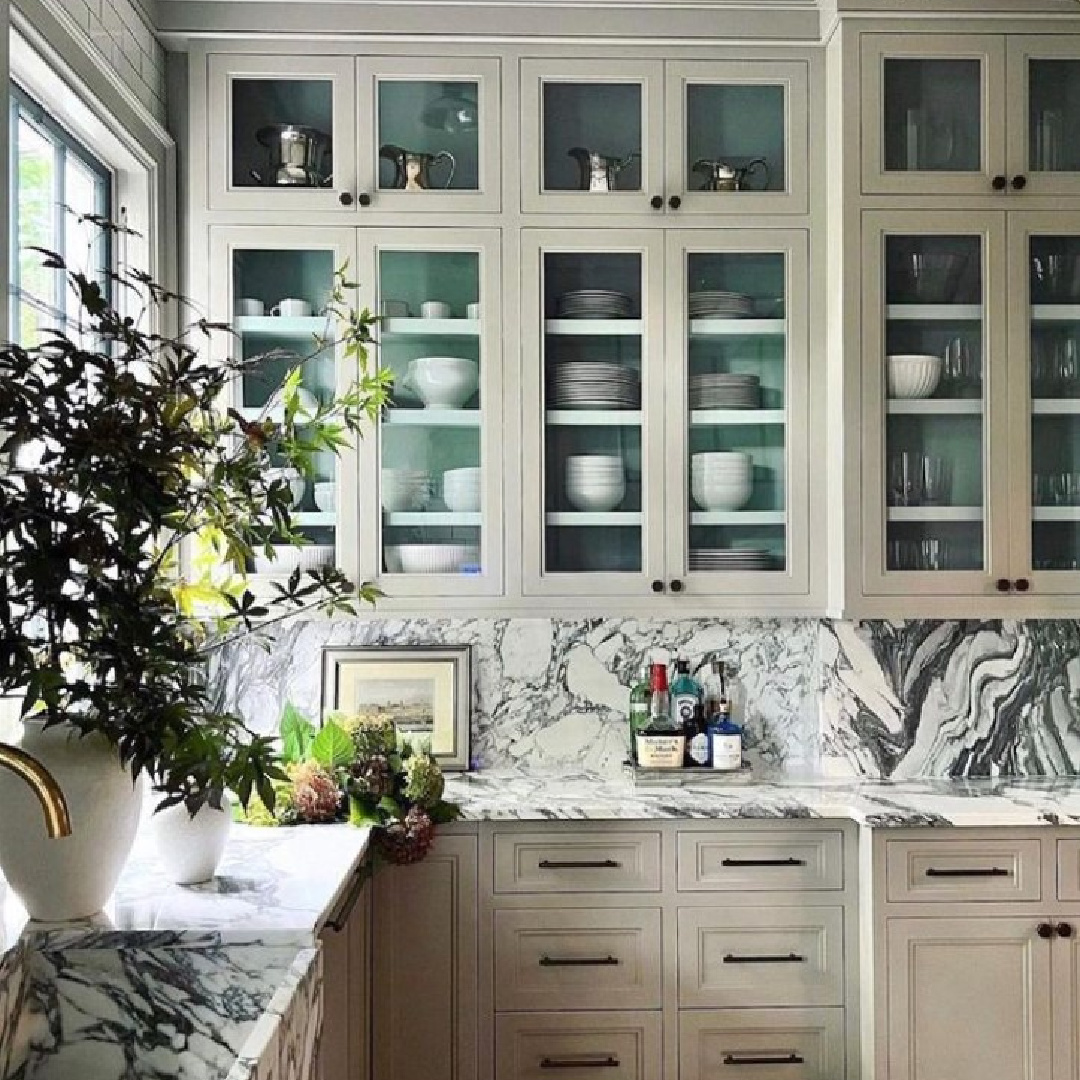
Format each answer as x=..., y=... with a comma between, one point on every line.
x=332, y=747
x=297, y=735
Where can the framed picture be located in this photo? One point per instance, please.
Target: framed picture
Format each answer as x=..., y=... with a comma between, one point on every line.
x=425, y=689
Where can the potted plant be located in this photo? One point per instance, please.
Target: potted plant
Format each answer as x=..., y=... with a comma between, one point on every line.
x=120, y=456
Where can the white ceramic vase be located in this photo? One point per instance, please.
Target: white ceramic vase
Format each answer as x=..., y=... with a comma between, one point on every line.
x=71, y=877
x=190, y=848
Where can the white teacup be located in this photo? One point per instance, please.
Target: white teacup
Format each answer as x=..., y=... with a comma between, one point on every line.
x=248, y=306
x=291, y=308
x=472, y=311
x=394, y=309
x=435, y=309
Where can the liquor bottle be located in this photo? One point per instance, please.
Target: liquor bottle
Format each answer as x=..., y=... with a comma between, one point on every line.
x=639, y=710
x=725, y=740
x=662, y=744
x=698, y=750
x=685, y=693
x=714, y=687
x=660, y=715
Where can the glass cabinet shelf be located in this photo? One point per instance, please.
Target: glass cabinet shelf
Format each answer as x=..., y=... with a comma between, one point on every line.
x=935, y=513
x=594, y=518
x=934, y=407
x=432, y=517
x=432, y=417
x=738, y=517
x=935, y=312
x=701, y=328
x=428, y=328
x=593, y=417
x=736, y=417
x=594, y=327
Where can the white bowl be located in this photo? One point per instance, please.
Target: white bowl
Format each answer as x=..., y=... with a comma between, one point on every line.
x=393, y=558
x=404, y=489
x=444, y=382
x=297, y=484
x=287, y=558
x=325, y=492
x=307, y=404
x=461, y=497
x=913, y=376
x=715, y=499
x=594, y=461
x=433, y=558
x=597, y=499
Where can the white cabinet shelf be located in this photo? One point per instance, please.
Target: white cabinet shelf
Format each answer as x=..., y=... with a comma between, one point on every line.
x=935, y=312
x=1055, y=406
x=706, y=328
x=736, y=417
x=738, y=517
x=432, y=417
x=934, y=406
x=322, y=518
x=1055, y=313
x=391, y=329
x=594, y=327
x=275, y=326
x=1056, y=513
x=425, y=518
x=587, y=519
x=594, y=417
x=935, y=513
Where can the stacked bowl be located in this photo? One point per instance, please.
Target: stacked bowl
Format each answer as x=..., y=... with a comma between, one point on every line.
x=405, y=489
x=595, y=482
x=721, y=479
x=461, y=490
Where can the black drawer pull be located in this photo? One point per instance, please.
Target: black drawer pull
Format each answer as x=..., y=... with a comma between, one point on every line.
x=765, y=1059
x=579, y=961
x=975, y=871
x=763, y=862
x=594, y=864
x=790, y=958
x=608, y=1062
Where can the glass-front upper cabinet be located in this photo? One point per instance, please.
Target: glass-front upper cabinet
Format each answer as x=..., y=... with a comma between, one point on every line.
x=318, y=133
x=593, y=397
x=935, y=453
x=737, y=137
x=272, y=285
x=933, y=113
x=592, y=136
x=431, y=476
x=738, y=394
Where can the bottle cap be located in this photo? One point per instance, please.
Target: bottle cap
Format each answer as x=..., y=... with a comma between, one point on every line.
x=658, y=677
x=682, y=667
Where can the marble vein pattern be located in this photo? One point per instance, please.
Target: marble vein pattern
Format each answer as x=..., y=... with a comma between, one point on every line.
x=953, y=698
x=555, y=692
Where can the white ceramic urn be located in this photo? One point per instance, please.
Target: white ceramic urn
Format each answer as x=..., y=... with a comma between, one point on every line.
x=190, y=848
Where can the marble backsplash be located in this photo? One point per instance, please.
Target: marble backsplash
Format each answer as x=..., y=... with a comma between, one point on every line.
x=875, y=699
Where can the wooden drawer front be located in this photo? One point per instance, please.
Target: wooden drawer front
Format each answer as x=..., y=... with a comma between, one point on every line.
x=760, y=860
x=1068, y=869
x=961, y=870
x=578, y=959
x=607, y=1045
x=731, y=957
x=761, y=1044
x=579, y=861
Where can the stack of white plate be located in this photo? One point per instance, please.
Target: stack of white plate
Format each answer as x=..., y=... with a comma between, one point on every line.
x=593, y=385
x=405, y=489
x=723, y=390
x=594, y=304
x=721, y=479
x=730, y=559
x=595, y=482
x=461, y=490
x=717, y=304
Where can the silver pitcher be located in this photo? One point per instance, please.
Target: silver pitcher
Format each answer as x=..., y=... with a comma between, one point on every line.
x=720, y=176
x=298, y=156
x=412, y=168
x=599, y=171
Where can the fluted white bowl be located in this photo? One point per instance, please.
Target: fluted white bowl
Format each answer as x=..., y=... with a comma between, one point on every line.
x=288, y=558
x=598, y=498
x=913, y=375
x=433, y=558
x=444, y=382
x=732, y=498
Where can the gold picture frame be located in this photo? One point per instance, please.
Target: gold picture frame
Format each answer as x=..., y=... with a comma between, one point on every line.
x=425, y=689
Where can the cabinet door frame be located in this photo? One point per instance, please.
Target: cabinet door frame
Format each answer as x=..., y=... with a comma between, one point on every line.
x=490, y=582
x=794, y=77
x=877, y=581
x=222, y=69
x=1022, y=225
x=649, y=74
x=1065, y=971
x=876, y=48
x=536, y=581
x=794, y=581
x=224, y=240
x=486, y=71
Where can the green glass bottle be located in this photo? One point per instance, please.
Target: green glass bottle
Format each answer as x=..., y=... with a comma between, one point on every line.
x=639, y=710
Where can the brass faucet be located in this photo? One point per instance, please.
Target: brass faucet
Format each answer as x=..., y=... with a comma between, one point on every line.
x=43, y=785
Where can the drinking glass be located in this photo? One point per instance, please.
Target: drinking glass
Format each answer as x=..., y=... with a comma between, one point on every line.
x=933, y=554
x=905, y=480
x=961, y=369
x=934, y=473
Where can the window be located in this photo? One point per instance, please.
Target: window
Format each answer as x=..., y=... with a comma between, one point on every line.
x=54, y=179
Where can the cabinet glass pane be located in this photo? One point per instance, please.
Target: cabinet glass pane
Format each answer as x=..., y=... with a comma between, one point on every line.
x=933, y=115
x=935, y=408
x=592, y=429
x=1055, y=402
x=431, y=446
x=282, y=132
x=279, y=297
x=737, y=385
x=1054, y=115
x=735, y=137
x=429, y=134
x=592, y=136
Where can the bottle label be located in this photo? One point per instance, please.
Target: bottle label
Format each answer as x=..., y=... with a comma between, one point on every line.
x=727, y=752
x=639, y=716
x=684, y=706
x=697, y=749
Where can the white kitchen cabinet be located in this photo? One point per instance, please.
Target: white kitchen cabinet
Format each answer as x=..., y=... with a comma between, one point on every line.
x=345, y=1047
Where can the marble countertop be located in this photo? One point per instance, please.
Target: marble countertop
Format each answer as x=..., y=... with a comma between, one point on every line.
x=553, y=796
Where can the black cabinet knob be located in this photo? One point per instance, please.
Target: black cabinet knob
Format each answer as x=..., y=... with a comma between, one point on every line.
x=657, y=586
x=1021, y=584
x=364, y=199
x=1044, y=930
x=999, y=183
x=1003, y=584
x=1064, y=929
x=674, y=202
x=1019, y=182
x=676, y=585
x=345, y=198
x=657, y=202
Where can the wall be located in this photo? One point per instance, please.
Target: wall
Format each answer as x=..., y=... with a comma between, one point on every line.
x=863, y=699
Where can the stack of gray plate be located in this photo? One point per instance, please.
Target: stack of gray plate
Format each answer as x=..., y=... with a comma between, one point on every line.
x=741, y=560
x=723, y=390
x=594, y=304
x=593, y=385
x=716, y=304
